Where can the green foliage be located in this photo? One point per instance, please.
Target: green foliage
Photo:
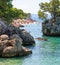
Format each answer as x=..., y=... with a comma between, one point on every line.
x=5, y=6
x=52, y=7
x=41, y=14
x=8, y=13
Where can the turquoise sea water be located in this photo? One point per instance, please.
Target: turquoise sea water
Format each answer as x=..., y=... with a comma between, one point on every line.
x=43, y=53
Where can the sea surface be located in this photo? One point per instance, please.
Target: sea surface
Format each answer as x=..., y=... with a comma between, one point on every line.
x=43, y=52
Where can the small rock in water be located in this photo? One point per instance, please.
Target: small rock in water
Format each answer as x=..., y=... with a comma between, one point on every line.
x=41, y=39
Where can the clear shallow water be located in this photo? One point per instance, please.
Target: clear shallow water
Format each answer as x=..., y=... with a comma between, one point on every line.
x=44, y=52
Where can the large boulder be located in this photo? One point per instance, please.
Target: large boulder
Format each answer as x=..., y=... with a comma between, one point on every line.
x=10, y=46
x=27, y=38
x=15, y=48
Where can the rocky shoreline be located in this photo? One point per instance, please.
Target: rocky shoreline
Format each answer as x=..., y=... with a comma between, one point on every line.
x=13, y=40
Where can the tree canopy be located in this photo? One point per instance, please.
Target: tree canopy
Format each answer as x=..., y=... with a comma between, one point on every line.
x=52, y=7
x=8, y=13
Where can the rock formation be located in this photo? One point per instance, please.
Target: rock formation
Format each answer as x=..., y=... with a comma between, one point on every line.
x=12, y=40
x=51, y=28
x=12, y=47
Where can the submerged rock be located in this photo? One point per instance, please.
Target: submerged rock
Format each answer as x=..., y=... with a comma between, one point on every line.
x=41, y=39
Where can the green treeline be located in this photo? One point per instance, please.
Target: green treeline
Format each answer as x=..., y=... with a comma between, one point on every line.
x=8, y=13
x=52, y=7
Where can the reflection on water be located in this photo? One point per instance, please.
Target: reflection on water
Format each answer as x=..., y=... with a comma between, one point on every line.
x=44, y=52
